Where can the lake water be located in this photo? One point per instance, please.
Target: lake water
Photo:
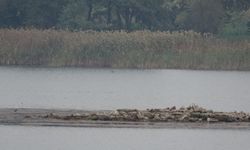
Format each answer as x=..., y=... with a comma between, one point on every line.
x=110, y=89
x=43, y=138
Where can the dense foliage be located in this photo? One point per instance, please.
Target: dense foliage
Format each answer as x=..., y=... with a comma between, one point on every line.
x=225, y=17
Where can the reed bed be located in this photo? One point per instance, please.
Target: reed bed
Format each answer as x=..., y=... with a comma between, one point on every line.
x=119, y=49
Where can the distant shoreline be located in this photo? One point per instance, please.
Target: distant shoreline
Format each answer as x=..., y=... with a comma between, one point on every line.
x=192, y=117
x=115, y=68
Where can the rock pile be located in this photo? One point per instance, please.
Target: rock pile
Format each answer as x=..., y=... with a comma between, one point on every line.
x=192, y=113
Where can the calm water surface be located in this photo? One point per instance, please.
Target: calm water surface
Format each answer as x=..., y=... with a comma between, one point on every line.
x=43, y=138
x=111, y=89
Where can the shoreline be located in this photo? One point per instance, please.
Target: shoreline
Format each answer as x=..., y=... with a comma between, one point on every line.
x=192, y=117
x=118, y=68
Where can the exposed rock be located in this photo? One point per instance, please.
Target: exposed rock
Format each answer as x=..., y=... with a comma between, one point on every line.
x=184, y=118
x=76, y=115
x=212, y=120
x=192, y=113
x=196, y=108
x=173, y=108
x=93, y=117
x=148, y=115
x=194, y=119
x=177, y=113
x=27, y=117
x=182, y=109
x=153, y=110
x=157, y=117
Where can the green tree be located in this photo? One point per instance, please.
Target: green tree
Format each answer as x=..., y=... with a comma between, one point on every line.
x=237, y=26
x=198, y=15
x=12, y=13
x=236, y=5
x=44, y=13
x=205, y=15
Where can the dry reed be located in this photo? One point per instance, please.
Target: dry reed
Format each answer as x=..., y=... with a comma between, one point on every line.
x=119, y=49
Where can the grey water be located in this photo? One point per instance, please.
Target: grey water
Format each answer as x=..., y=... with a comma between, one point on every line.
x=50, y=138
x=77, y=88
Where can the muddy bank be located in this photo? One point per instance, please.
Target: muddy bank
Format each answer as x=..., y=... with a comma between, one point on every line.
x=187, y=117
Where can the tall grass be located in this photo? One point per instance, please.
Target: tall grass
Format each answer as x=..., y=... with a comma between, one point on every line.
x=140, y=49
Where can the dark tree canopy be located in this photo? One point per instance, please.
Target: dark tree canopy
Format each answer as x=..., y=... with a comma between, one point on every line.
x=213, y=16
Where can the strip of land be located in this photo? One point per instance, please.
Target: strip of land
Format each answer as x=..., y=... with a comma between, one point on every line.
x=185, y=117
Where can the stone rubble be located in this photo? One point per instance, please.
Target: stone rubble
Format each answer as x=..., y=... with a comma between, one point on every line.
x=192, y=113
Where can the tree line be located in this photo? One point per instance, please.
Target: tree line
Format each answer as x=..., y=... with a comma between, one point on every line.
x=227, y=17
